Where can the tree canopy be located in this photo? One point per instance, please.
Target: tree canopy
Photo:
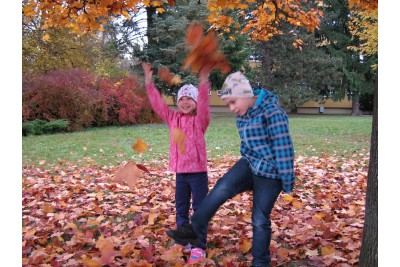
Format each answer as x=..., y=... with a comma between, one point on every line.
x=262, y=19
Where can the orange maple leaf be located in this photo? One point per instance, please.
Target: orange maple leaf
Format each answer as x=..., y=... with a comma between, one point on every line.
x=140, y=146
x=245, y=244
x=179, y=138
x=166, y=76
x=203, y=51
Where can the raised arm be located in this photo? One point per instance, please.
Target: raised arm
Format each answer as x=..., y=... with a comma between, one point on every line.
x=154, y=95
x=203, y=100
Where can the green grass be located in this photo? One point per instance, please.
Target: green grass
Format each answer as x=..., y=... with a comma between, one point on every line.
x=312, y=135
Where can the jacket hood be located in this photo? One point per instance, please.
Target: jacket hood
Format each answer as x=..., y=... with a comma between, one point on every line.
x=266, y=97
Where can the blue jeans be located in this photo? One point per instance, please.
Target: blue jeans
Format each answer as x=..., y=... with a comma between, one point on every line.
x=265, y=192
x=190, y=185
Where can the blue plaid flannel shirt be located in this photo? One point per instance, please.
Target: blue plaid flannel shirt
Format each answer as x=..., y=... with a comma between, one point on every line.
x=265, y=140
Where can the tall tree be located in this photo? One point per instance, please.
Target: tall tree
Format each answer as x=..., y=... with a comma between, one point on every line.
x=167, y=47
x=297, y=71
x=367, y=31
x=335, y=34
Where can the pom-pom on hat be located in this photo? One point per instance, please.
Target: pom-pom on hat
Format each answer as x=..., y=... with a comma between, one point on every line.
x=188, y=90
x=236, y=85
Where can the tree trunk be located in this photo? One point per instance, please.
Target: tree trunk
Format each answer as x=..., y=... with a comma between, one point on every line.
x=150, y=11
x=356, y=106
x=369, y=246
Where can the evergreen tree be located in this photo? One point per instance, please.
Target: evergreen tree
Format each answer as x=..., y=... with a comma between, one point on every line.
x=166, y=45
x=297, y=73
x=357, y=76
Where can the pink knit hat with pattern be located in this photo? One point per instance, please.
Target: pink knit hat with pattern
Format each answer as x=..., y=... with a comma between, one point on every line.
x=188, y=90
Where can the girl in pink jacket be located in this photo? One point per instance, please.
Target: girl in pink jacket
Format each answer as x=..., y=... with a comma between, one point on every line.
x=192, y=118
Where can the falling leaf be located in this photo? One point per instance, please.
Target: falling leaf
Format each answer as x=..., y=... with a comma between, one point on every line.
x=140, y=146
x=166, y=76
x=179, y=137
x=194, y=34
x=128, y=173
x=203, y=52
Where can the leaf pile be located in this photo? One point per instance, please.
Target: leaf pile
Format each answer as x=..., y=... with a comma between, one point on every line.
x=79, y=216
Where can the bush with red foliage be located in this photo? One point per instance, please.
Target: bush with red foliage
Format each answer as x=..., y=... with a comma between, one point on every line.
x=84, y=100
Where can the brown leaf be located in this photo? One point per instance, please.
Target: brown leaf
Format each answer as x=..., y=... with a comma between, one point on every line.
x=142, y=167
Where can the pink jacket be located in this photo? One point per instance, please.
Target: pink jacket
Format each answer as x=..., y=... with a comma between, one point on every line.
x=194, y=126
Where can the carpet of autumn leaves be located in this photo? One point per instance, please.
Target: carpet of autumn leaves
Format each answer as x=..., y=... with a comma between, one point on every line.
x=79, y=216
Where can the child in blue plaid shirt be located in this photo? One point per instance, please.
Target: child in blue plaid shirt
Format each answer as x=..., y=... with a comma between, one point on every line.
x=266, y=165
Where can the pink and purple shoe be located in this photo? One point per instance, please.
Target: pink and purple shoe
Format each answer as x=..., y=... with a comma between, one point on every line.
x=196, y=254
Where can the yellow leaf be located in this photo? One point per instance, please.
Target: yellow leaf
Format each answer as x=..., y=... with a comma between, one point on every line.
x=288, y=198
x=46, y=37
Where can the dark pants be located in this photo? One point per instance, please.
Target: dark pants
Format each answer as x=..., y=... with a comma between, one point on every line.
x=190, y=185
x=265, y=192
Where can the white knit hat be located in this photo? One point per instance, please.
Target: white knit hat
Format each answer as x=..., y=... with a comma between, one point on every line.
x=188, y=90
x=236, y=85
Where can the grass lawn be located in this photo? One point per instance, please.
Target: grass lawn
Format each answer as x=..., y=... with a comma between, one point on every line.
x=312, y=135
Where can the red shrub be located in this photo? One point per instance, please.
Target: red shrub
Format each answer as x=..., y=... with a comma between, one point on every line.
x=59, y=95
x=85, y=101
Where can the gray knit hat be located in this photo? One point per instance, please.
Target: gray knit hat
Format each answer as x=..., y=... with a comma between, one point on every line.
x=236, y=85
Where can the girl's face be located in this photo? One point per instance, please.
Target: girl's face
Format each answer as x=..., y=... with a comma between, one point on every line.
x=239, y=105
x=187, y=105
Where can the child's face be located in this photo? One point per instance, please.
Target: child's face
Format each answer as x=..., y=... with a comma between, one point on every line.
x=239, y=105
x=187, y=105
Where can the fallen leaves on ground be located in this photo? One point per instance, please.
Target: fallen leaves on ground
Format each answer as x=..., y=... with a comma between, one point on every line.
x=79, y=216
